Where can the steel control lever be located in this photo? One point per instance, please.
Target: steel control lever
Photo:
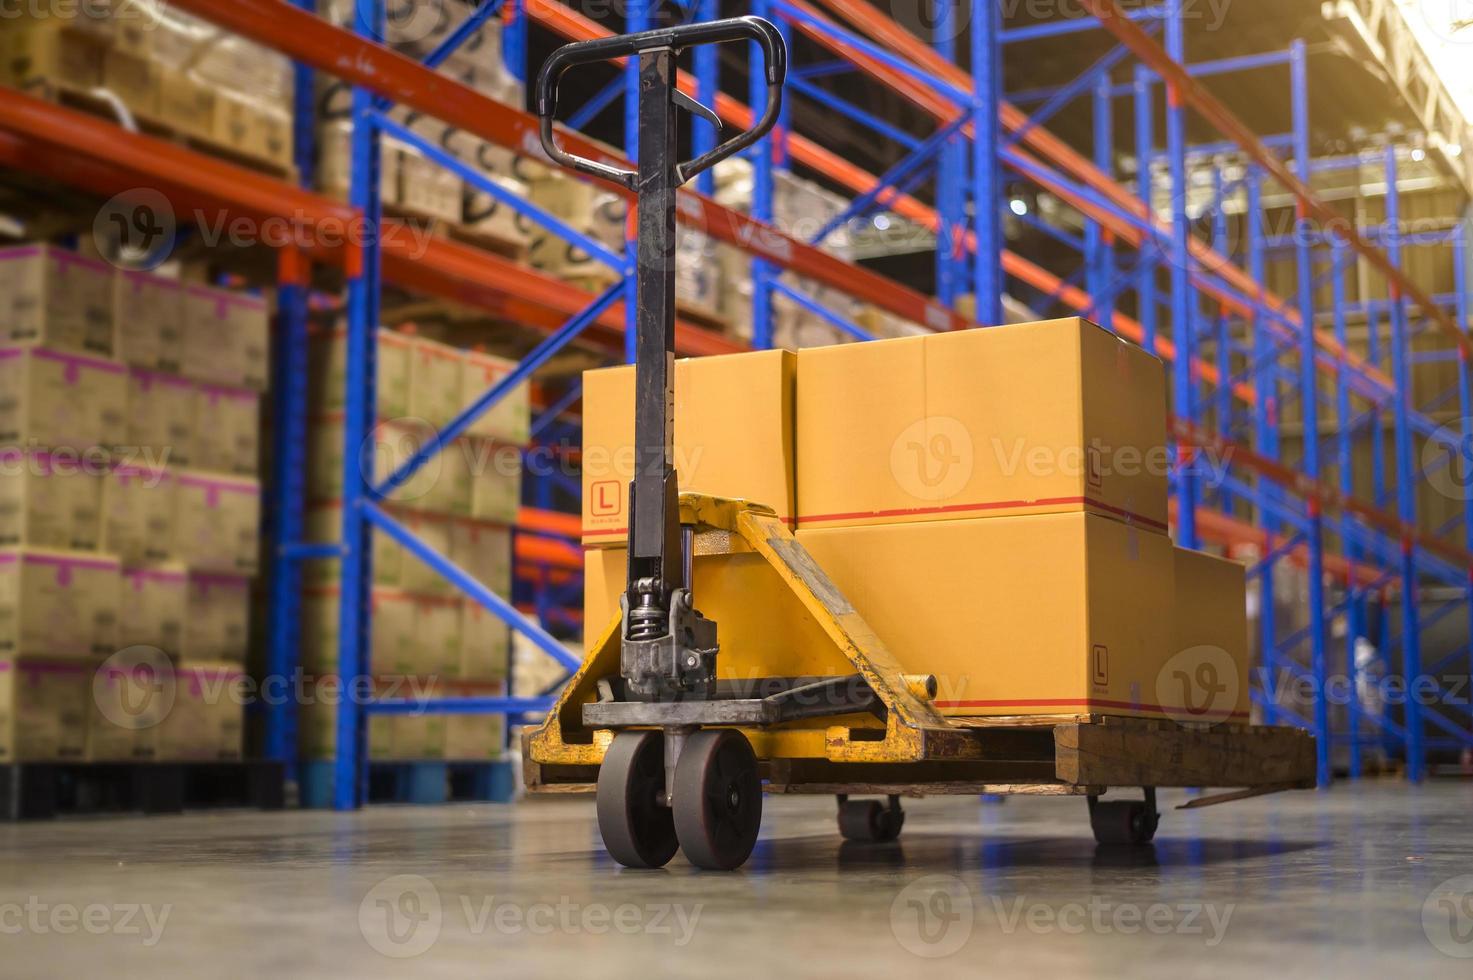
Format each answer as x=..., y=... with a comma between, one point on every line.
x=669, y=648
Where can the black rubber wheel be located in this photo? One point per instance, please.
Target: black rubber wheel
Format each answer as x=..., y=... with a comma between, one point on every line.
x=869, y=820
x=718, y=799
x=1123, y=821
x=637, y=829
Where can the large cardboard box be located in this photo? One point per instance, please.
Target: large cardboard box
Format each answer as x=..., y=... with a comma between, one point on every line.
x=48, y=501
x=437, y=623
x=53, y=298
x=217, y=618
x=139, y=514
x=510, y=419
x=226, y=338
x=1028, y=419
x=134, y=79
x=485, y=643
x=57, y=400
x=324, y=524
x=153, y=608
x=329, y=366
x=434, y=382
x=382, y=452
x=229, y=430
x=414, y=574
x=475, y=738
x=485, y=551
x=418, y=735
x=206, y=721
x=733, y=436
x=163, y=421
x=43, y=709
x=452, y=491
x=43, y=55
x=188, y=104
x=58, y=603
x=1206, y=678
x=392, y=638
x=496, y=480
x=1051, y=614
x=129, y=699
x=149, y=313
x=317, y=721
x=219, y=522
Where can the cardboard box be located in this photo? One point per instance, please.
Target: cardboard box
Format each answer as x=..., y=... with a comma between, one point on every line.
x=219, y=522
x=226, y=338
x=217, y=618
x=50, y=297
x=393, y=632
x=229, y=430
x=387, y=447
x=56, y=400
x=324, y=523
x=329, y=367
x=733, y=436
x=496, y=481
x=510, y=419
x=1053, y=614
x=58, y=603
x=420, y=735
x=129, y=699
x=44, y=55
x=434, y=382
x=486, y=215
x=484, y=551
x=231, y=124
x=153, y=608
x=437, y=646
x=270, y=136
x=43, y=709
x=317, y=734
x=134, y=79
x=1029, y=419
x=427, y=189
x=148, y=313
x=415, y=575
x=187, y=104
x=1206, y=678
x=586, y=207
x=485, y=644
x=475, y=738
x=48, y=502
x=206, y=721
x=163, y=419
x=139, y=514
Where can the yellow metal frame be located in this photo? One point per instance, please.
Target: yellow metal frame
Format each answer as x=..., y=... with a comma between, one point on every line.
x=914, y=729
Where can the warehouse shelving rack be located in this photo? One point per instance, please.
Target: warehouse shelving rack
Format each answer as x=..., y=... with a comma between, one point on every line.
x=1303, y=510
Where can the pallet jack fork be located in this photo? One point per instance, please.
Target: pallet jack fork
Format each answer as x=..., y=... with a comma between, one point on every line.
x=672, y=745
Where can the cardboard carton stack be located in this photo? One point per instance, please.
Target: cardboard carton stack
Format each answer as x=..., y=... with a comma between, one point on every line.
x=129, y=506
x=587, y=207
x=425, y=637
x=166, y=66
x=993, y=502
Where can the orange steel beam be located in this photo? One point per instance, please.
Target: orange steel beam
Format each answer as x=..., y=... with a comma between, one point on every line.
x=1192, y=93
x=1229, y=531
x=95, y=155
x=882, y=29
x=311, y=40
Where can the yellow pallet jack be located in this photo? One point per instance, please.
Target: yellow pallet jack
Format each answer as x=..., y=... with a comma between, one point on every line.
x=669, y=744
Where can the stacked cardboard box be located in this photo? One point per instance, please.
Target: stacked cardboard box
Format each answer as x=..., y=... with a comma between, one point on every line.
x=993, y=502
x=129, y=509
x=425, y=637
x=586, y=207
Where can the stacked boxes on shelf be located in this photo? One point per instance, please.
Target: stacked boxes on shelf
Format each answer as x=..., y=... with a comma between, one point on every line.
x=129, y=507
x=1014, y=477
x=426, y=639
x=169, y=68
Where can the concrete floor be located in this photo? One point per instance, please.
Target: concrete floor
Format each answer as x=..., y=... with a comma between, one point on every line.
x=1345, y=881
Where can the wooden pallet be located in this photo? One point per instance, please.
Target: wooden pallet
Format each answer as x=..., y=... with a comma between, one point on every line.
x=1070, y=755
x=42, y=790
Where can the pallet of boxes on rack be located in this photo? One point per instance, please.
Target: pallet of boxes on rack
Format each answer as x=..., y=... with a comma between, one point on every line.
x=178, y=76
x=426, y=638
x=129, y=528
